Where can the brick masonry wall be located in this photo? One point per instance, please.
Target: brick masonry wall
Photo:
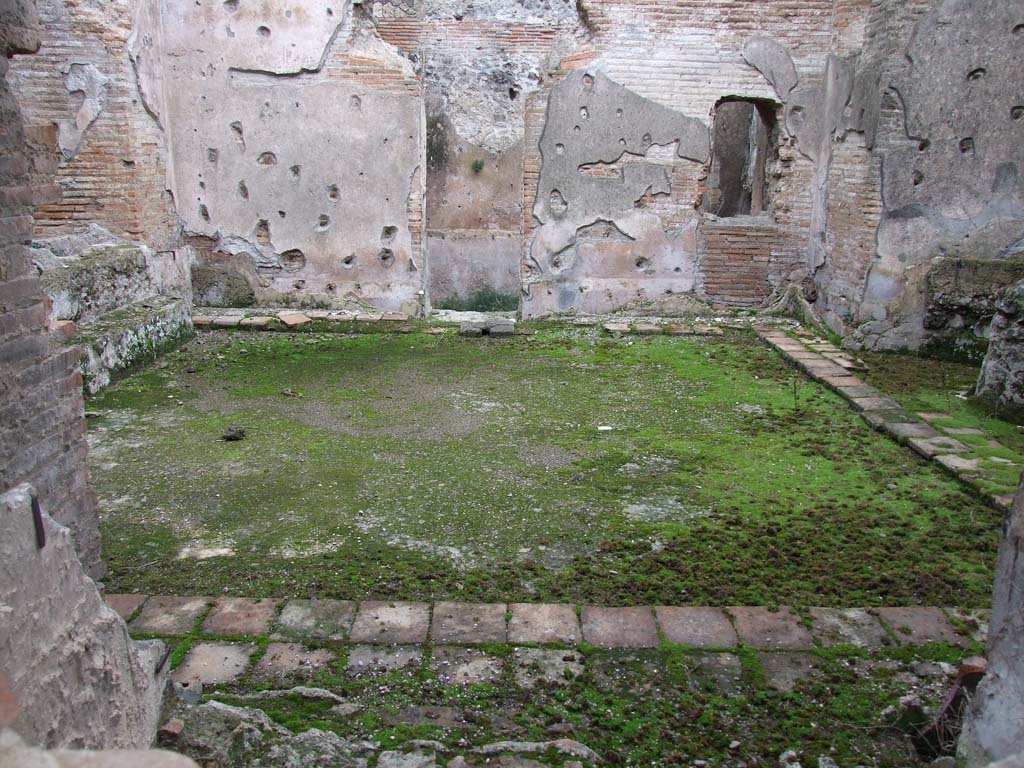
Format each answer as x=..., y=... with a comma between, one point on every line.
x=42, y=424
x=117, y=177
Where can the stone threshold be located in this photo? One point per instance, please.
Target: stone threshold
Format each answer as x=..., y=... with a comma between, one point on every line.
x=378, y=622
x=833, y=367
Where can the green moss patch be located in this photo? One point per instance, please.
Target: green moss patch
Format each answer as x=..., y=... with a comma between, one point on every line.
x=565, y=465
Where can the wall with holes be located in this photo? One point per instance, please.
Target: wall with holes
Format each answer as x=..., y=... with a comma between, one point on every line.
x=948, y=182
x=296, y=176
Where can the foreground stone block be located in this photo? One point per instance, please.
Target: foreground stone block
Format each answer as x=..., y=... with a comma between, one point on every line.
x=320, y=619
x=255, y=322
x=616, y=327
x=214, y=663
x=918, y=625
x=169, y=615
x=933, y=446
x=771, y=630
x=284, y=660
x=619, y=627
x=545, y=666
x=464, y=666
x=847, y=626
x=240, y=616
x=540, y=623
x=469, y=623
x=906, y=431
x=294, y=319
x=370, y=660
x=69, y=673
x=718, y=672
x=696, y=626
x=783, y=670
x=124, y=605
x=391, y=623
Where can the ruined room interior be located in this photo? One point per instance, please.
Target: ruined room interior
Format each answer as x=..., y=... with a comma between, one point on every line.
x=522, y=383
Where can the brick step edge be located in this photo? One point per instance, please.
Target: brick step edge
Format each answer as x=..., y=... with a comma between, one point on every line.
x=404, y=622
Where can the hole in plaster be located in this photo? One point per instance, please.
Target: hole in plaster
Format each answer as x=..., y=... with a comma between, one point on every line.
x=202, y=185
x=918, y=178
x=576, y=128
x=263, y=31
x=230, y=5
x=512, y=93
x=1019, y=29
x=323, y=222
x=332, y=192
x=584, y=113
x=1017, y=113
x=296, y=171
x=921, y=147
x=243, y=191
x=622, y=142
x=678, y=269
x=559, y=149
x=204, y=213
x=412, y=266
x=976, y=74
x=236, y=129
x=967, y=145
x=212, y=154
x=267, y=158
x=282, y=214
x=646, y=140
x=299, y=284
x=557, y=204
x=349, y=261
x=331, y=287
x=288, y=14
x=643, y=264
x=618, y=113
x=263, y=232
x=354, y=101
x=388, y=234
x=386, y=257
x=293, y=260
x=588, y=82
x=330, y=11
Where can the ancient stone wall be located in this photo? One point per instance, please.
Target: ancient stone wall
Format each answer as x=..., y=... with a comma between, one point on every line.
x=994, y=723
x=949, y=150
x=69, y=674
x=42, y=427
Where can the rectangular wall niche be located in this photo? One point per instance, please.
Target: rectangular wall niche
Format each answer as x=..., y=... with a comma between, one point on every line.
x=741, y=141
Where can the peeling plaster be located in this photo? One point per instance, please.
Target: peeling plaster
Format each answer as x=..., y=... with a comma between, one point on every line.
x=593, y=120
x=88, y=83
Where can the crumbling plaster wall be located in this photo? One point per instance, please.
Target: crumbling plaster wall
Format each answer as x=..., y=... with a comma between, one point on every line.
x=685, y=58
x=279, y=155
x=943, y=178
x=480, y=62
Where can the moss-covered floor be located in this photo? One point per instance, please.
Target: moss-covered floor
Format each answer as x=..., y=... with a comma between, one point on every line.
x=564, y=465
